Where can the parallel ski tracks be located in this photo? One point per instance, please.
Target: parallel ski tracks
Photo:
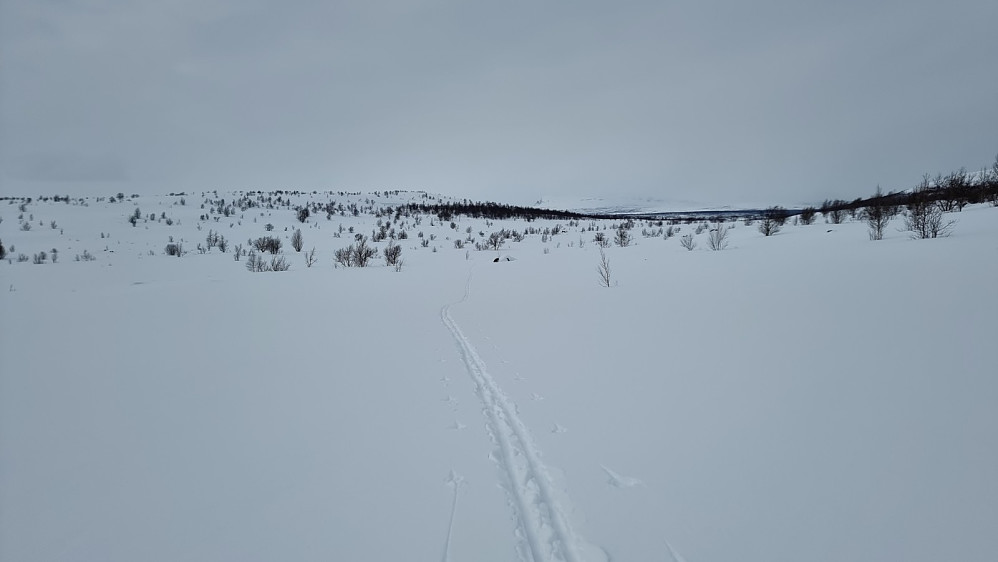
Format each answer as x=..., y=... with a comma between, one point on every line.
x=546, y=534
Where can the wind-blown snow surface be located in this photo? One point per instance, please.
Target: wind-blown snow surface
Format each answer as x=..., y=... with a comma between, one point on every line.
x=808, y=396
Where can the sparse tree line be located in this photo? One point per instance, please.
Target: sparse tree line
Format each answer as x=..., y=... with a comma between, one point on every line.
x=923, y=209
x=951, y=192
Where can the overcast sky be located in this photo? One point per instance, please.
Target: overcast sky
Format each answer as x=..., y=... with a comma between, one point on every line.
x=726, y=102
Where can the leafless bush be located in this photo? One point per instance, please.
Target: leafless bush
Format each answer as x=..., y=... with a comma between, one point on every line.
x=877, y=215
x=925, y=219
x=718, y=238
x=344, y=256
x=768, y=225
x=268, y=244
x=600, y=239
x=296, y=240
x=807, y=215
x=279, y=263
x=603, y=268
x=496, y=240
x=310, y=257
x=174, y=249
x=772, y=220
x=255, y=263
x=623, y=237
x=362, y=253
x=392, y=253
x=688, y=242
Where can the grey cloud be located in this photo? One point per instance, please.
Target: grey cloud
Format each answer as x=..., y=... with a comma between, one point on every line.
x=56, y=167
x=721, y=102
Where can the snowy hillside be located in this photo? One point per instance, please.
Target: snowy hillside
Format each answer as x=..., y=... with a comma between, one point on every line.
x=811, y=395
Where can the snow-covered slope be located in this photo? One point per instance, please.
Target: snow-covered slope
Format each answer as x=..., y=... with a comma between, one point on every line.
x=812, y=395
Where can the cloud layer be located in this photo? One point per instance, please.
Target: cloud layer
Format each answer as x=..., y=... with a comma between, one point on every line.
x=777, y=102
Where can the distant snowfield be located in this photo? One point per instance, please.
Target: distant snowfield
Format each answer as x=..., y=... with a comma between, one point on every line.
x=807, y=396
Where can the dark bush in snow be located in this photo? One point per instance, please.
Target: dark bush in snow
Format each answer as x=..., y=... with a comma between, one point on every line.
x=173, y=249
x=392, y=253
x=267, y=244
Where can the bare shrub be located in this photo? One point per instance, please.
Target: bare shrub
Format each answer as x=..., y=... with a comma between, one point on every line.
x=717, y=239
x=877, y=215
x=622, y=238
x=310, y=257
x=392, y=253
x=268, y=244
x=344, y=256
x=362, y=253
x=601, y=240
x=496, y=240
x=807, y=215
x=688, y=242
x=603, y=268
x=279, y=263
x=925, y=219
x=174, y=249
x=772, y=220
x=296, y=240
x=255, y=263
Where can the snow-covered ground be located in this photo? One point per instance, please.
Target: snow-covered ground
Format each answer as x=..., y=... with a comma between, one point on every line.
x=813, y=395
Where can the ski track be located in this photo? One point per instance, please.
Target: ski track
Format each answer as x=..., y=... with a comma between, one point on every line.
x=539, y=518
x=457, y=481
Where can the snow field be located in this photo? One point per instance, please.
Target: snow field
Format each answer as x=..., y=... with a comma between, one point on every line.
x=812, y=395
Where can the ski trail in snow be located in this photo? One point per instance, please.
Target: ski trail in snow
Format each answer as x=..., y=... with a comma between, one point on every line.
x=547, y=534
x=455, y=480
x=618, y=481
x=675, y=555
